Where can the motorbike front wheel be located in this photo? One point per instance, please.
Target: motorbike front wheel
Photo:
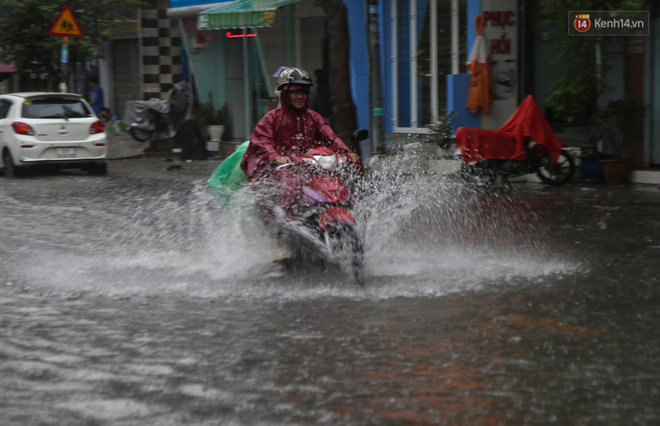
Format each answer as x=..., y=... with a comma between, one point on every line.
x=343, y=242
x=557, y=174
x=141, y=135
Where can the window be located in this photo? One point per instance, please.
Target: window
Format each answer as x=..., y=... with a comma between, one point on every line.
x=421, y=58
x=4, y=108
x=53, y=107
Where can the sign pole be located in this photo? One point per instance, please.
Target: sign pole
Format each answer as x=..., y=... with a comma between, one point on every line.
x=376, y=101
x=66, y=26
x=65, y=64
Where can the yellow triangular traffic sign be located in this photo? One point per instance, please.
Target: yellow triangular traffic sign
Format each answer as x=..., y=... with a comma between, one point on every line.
x=66, y=25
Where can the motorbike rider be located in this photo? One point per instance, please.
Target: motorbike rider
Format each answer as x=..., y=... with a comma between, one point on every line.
x=285, y=132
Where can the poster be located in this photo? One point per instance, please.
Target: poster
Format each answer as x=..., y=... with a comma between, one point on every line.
x=501, y=19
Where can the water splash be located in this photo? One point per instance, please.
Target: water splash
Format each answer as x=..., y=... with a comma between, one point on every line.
x=424, y=235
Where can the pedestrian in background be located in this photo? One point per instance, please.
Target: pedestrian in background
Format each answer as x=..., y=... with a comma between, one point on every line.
x=107, y=115
x=96, y=96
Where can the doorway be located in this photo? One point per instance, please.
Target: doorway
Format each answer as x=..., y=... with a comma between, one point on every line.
x=125, y=73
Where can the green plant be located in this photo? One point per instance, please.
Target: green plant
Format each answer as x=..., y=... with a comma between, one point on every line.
x=574, y=95
x=203, y=115
x=441, y=132
x=206, y=115
x=618, y=124
x=583, y=62
x=221, y=115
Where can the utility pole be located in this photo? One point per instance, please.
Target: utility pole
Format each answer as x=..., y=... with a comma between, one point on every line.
x=376, y=101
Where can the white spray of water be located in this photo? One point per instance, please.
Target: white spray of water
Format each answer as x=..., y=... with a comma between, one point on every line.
x=424, y=236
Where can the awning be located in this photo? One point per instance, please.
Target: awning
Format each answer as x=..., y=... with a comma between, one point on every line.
x=241, y=14
x=182, y=9
x=7, y=68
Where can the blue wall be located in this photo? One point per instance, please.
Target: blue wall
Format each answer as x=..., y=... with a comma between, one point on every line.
x=359, y=61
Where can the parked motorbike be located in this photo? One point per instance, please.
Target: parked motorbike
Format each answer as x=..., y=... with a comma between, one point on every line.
x=524, y=144
x=325, y=224
x=484, y=173
x=147, y=119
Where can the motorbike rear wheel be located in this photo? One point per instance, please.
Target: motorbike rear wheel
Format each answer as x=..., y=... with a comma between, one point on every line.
x=141, y=135
x=343, y=242
x=557, y=174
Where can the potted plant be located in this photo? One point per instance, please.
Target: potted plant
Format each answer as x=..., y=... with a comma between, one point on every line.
x=617, y=127
x=207, y=117
x=441, y=133
x=433, y=150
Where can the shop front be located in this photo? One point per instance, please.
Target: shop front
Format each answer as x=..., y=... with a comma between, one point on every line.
x=236, y=48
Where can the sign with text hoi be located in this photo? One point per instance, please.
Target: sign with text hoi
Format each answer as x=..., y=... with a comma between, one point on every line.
x=66, y=25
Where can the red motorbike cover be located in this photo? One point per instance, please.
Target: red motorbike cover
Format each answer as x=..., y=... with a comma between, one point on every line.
x=526, y=123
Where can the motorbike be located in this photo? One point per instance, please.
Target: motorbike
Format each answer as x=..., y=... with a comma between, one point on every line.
x=325, y=224
x=524, y=144
x=147, y=119
x=484, y=173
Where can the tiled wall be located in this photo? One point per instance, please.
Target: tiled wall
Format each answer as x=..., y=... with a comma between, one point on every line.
x=161, y=51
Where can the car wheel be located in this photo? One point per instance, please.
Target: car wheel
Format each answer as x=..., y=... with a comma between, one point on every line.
x=10, y=170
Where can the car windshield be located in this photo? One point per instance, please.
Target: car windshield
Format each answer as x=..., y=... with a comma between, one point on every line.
x=54, y=107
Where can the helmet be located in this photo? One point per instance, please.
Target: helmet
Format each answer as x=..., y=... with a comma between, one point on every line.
x=297, y=76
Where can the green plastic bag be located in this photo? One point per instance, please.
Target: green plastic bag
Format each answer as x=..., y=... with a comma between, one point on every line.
x=228, y=177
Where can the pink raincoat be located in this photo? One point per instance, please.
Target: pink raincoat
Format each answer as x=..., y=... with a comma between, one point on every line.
x=282, y=132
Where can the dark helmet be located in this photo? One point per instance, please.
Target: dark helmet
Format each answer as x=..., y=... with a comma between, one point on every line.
x=294, y=76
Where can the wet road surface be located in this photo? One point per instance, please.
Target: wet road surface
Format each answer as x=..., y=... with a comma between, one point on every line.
x=135, y=299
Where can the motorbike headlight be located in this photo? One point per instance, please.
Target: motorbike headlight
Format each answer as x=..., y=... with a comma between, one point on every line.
x=327, y=162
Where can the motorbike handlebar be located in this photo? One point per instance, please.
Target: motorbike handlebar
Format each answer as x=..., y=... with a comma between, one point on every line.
x=300, y=161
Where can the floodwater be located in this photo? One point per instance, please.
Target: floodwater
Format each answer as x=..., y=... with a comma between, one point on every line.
x=137, y=299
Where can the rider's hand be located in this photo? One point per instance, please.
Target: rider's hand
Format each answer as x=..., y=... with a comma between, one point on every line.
x=354, y=157
x=283, y=160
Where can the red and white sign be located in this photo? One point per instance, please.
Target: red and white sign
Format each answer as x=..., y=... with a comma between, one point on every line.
x=66, y=25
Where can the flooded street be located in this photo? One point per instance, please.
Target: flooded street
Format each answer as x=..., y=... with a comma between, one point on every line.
x=137, y=299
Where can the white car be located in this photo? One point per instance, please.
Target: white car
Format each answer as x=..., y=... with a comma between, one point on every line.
x=50, y=128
